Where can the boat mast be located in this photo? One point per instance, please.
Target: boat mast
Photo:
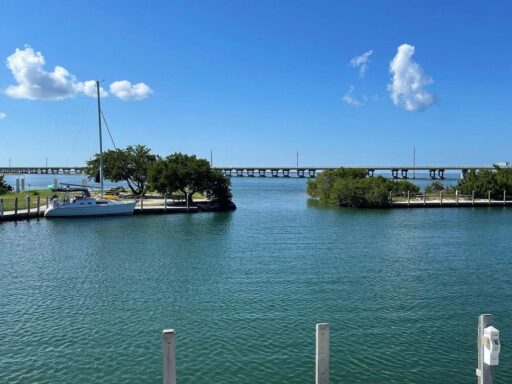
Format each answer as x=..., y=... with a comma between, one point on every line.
x=101, y=140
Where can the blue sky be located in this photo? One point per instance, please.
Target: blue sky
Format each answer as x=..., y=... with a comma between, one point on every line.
x=255, y=81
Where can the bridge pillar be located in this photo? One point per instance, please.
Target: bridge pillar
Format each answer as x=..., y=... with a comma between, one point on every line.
x=432, y=173
x=463, y=174
x=311, y=173
x=227, y=172
x=300, y=173
x=404, y=173
x=239, y=172
x=286, y=172
x=441, y=173
x=250, y=172
x=275, y=172
x=394, y=173
x=371, y=172
x=262, y=172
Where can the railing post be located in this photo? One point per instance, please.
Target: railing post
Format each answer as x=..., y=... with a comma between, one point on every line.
x=489, y=197
x=473, y=197
x=441, y=197
x=169, y=356
x=28, y=207
x=38, y=205
x=1, y=207
x=409, y=198
x=484, y=372
x=322, y=354
x=141, y=202
x=504, y=196
x=47, y=201
x=424, y=198
x=457, y=196
x=165, y=202
x=15, y=206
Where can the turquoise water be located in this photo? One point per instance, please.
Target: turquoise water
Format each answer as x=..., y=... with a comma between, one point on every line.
x=85, y=301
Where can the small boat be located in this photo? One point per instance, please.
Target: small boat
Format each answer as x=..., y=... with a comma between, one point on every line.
x=84, y=205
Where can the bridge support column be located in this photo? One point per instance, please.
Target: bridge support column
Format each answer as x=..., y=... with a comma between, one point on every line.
x=371, y=172
x=227, y=172
x=262, y=172
x=404, y=173
x=441, y=173
x=286, y=172
x=250, y=172
x=463, y=174
x=394, y=173
x=432, y=173
x=312, y=173
x=275, y=172
x=240, y=172
x=300, y=173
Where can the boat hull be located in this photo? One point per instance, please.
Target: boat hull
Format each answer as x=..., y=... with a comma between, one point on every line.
x=72, y=210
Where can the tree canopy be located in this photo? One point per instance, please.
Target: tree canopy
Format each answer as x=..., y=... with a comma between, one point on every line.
x=484, y=181
x=131, y=165
x=188, y=174
x=346, y=187
x=4, y=187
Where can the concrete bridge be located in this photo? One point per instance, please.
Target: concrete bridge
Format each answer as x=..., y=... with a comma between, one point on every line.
x=396, y=172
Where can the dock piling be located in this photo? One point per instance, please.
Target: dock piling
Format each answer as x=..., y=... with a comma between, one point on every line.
x=473, y=197
x=169, y=356
x=322, y=354
x=489, y=197
x=165, y=203
x=1, y=207
x=28, y=207
x=504, y=197
x=15, y=206
x=484, y=372
x=38, y=205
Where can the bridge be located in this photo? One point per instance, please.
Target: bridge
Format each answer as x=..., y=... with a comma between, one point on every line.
x=396, y=172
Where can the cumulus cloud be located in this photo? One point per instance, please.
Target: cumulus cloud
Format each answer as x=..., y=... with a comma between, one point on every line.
x=89, y=89
x=34, y=82
x=362, y=62
x=3, y=115
x=350, y=99
x=408, y=79
x=124, y=90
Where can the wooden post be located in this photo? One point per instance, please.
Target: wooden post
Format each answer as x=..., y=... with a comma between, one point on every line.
x=28, y=207
x=441, y=197
x=408, y=198
x=38, y=205
x=424, y=198
x=188, y=204
x=1, y=207
x=489, y=197
x=322, y=354
x=169, y=356
x=473, y=197
x=15, y=206
x=504, y=196
x=165, y=202
x=457, y=197
x=47, y=201
x=141, y=202
x=484, y=372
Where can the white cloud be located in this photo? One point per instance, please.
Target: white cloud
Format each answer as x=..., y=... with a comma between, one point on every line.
x=36, y=83
x=124, y=90
x=89, y=88
x=350, y=99
x=3, y=115
x=362, y=62
x=406, y=87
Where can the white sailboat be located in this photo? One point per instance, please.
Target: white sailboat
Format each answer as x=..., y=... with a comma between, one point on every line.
x=83, y=206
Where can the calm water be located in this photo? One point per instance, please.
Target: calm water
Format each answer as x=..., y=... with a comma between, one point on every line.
x=85, y=301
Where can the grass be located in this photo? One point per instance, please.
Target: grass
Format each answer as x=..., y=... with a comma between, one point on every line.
x=9, y=199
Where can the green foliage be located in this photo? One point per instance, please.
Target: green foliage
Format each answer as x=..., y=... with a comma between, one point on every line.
x=4, y=187
x=131, y=164
x=180, y=172
x=347, y=187
x=485, y=180
x=435, y=187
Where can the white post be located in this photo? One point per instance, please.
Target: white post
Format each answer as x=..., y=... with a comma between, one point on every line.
x=424, y=198
x=169, y=356
x=484, y=372
x=457, y=197
x=322, y=353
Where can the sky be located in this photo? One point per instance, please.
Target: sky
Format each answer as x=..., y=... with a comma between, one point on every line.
x=341, y=82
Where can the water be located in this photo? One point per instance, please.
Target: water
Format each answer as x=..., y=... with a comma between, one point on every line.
x=85, y=301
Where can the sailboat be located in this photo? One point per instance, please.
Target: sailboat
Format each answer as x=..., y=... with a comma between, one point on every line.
x=85, y=205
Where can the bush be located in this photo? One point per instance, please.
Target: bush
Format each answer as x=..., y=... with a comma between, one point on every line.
x=484, y=181
x=4, y=187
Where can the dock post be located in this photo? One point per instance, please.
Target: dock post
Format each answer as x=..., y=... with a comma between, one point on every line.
x=141, y=202
x=424, y=198
x=473, y=197
x=504, y=196
x=28, y=207
x=169, y=356
x=441, y=197
x=165, y=202
x=38, y=205
x=15, y=206
x=457, y=196
x=408, y=198
x=489, y=197
x=1, y=207
x=188, y=203
x=484, y=372
x=47, y=201
x=322, y=354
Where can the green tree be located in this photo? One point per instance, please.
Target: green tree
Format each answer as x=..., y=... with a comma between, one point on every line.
x=188, y=174
x=4, y=187
x=483, y=181
x=131, y=165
